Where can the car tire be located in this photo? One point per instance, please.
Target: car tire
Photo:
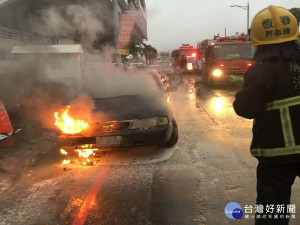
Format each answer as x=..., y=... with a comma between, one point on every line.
x=174, y=138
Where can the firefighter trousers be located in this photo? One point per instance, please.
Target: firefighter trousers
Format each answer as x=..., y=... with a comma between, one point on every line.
x=274, y=183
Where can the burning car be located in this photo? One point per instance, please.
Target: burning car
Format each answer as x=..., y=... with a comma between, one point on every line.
x=128, y=120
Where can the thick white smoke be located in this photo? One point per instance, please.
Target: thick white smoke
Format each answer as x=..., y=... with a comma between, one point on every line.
x=71, y=20
x=38, y=78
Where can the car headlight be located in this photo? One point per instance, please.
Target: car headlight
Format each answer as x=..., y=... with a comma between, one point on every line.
x=217, y=73
x=151, y=122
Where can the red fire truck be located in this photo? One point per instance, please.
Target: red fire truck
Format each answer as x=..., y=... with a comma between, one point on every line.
x=225, y=56
x=192, y=55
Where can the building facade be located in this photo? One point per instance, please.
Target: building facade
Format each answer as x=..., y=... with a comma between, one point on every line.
x=50, y=22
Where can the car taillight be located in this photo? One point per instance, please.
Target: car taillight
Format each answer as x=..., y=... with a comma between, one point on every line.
x=249, y=65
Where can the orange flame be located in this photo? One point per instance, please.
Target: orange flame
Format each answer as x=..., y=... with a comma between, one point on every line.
x=67, y=124
x=63, y=152
x=66, y=161
x=85, y=152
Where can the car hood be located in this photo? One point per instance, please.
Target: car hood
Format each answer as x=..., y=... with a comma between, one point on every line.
x=131, y=107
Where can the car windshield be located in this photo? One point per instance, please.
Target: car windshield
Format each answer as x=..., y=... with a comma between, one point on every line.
x=233, y=51
x=122, y=84
x=116, y=103
x=187, y=52
x=131, y=106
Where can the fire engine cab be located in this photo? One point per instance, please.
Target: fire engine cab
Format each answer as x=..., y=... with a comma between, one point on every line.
x=225, y=56
x=192, y=55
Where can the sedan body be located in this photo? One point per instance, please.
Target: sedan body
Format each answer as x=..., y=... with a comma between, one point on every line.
x=130, y=121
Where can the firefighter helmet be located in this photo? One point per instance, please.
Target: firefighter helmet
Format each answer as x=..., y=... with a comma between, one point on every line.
x=273, y=25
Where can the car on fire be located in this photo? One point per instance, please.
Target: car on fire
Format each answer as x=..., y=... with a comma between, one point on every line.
x=131, y=120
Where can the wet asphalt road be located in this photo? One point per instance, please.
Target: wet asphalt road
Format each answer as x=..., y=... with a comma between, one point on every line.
x=188, y=184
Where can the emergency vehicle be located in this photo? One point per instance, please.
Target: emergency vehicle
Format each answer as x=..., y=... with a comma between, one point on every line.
x=193, y=57
x=225, y=56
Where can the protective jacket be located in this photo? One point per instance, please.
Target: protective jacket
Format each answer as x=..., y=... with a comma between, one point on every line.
x=271, y=96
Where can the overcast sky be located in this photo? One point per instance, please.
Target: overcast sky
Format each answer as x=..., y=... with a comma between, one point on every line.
x=171, y=22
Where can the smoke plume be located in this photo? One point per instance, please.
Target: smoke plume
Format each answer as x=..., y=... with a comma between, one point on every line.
x=42, y=84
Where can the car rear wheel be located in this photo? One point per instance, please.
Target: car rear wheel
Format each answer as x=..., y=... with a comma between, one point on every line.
x=174, y=138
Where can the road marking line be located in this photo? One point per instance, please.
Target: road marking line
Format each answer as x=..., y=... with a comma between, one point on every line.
x=90, y=199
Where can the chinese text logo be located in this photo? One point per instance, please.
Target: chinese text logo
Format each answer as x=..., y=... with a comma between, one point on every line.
x=233, y=211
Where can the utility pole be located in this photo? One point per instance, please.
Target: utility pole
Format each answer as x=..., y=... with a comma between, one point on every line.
x=247, y=8
x=248, y=21
x=116, y=31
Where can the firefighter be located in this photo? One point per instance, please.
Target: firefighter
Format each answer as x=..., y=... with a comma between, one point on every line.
x=183, y=63
x=271, y=96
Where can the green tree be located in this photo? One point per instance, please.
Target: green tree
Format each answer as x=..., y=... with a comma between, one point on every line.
x=140, y=50
x=150, y=54
x=136, y=50
x=296, y=13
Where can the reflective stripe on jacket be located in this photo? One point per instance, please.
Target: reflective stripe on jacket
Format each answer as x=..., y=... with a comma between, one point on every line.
x=271, y=96
x=287, y=129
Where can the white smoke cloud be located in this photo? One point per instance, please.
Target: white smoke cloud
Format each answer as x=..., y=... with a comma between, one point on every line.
x=71, y=20
x=85, y=21
x=39, y=78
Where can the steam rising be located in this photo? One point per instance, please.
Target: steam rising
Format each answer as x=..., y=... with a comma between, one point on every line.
x=74, y=19
x=42, y=84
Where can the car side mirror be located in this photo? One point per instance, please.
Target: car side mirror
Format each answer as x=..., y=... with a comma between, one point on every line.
x=171, y=88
